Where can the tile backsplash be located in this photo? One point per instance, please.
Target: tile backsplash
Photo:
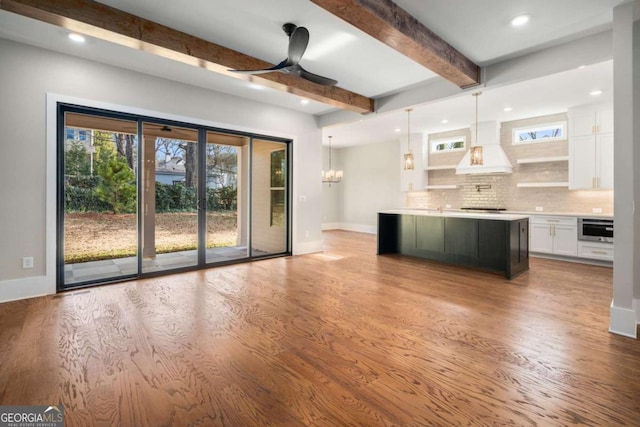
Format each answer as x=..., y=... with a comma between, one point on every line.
x=501, y=190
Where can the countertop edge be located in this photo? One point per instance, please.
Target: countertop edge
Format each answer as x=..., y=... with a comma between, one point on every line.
x=451, y=214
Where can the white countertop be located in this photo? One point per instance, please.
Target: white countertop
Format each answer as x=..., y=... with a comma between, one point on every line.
x=455, y=214
x=575, y=214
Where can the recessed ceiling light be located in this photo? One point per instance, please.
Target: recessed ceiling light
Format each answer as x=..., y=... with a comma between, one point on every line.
x=397, y=130
x=595, y=92
x=304, y=101
x=520, y=20
x=445, y=121
x=76, y=38
x=507, y=109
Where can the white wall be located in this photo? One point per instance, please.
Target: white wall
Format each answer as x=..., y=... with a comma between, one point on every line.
x=371, y=183
x=626, y=270
x=28, y=74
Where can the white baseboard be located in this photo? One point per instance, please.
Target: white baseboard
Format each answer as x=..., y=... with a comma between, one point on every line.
x=624, y=321
x=307, y=247
x=636, y=307
x=578, y=260
x=359, y=228
x=30, y=287
x=330, y=226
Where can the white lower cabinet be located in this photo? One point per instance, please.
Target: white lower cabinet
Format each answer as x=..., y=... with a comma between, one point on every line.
x=553, y=235
x=596, y=250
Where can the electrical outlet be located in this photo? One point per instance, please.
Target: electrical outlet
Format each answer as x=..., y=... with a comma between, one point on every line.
x=306, y=233
x=539, y=208
x=447, y=206
x=302, y=199
x=27, y=262
x=596, y=210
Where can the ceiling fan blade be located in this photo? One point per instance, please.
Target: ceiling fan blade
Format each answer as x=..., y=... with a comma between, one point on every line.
x=280, y=66
x=298, y=44
x=325, y=81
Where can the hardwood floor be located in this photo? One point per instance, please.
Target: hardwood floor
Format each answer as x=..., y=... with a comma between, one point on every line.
x=338, y=338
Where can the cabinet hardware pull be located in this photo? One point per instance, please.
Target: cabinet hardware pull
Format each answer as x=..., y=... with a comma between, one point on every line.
x=553, y=220
x=600, y=252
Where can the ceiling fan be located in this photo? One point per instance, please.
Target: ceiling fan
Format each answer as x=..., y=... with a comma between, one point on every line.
x=298, y=41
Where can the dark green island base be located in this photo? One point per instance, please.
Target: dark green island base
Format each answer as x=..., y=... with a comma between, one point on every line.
x=500, y=245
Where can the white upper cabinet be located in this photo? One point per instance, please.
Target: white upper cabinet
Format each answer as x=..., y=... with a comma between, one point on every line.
x=591, y=148
x=590, y=121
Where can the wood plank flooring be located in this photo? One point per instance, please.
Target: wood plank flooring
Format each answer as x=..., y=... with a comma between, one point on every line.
x=339, y=338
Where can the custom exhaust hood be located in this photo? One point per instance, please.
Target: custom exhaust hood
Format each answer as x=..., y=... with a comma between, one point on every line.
x=490, y=158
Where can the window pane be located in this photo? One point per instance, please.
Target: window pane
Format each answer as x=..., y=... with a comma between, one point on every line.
x=268, y=197
x=277, y=168
x=227, y=225
x=448, y=145
x=170, y=197
x=100, y=196
x=540, y=133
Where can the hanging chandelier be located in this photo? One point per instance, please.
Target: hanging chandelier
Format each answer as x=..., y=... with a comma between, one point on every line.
x=409, y=163
x=476, y=151
x=331, y=175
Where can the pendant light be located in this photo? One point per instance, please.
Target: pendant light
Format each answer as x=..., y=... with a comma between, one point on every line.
x=476, y=151
x=409, y=164
x=331, y=176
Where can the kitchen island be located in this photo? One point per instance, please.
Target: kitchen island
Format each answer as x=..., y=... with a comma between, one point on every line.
x=496, y=242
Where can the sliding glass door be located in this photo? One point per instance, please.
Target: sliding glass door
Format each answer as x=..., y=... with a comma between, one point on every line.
x=139, y=196
x=269, y=198
x=97, y=198
x=169, y=214
x=227, y=191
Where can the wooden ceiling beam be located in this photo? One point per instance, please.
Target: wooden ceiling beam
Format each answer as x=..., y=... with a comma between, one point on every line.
x=395, y=27
x=97, y=20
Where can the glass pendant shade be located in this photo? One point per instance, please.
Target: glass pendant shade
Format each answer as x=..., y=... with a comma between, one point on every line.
x=408, y=161
x=476, y=156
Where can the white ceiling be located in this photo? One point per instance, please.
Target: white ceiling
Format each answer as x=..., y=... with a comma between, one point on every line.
x=479, y=29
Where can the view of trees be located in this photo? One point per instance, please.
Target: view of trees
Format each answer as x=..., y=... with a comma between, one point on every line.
x=101, y=177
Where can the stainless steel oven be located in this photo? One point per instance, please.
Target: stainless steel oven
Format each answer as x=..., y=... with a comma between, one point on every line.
x=595, y=229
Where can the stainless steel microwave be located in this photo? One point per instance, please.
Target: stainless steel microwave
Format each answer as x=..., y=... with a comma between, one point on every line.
x=595, y=229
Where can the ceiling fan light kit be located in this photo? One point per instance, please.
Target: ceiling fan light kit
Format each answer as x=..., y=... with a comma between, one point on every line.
x=298, y=42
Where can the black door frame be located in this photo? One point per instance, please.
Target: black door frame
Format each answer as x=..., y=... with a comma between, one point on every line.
x=63, y=108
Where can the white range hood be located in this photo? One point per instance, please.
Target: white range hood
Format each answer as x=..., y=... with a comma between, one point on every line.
x=495, y=160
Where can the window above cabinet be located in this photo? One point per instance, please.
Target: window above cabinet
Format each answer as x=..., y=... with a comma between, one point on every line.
x=540, y=133
x=447, y=145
